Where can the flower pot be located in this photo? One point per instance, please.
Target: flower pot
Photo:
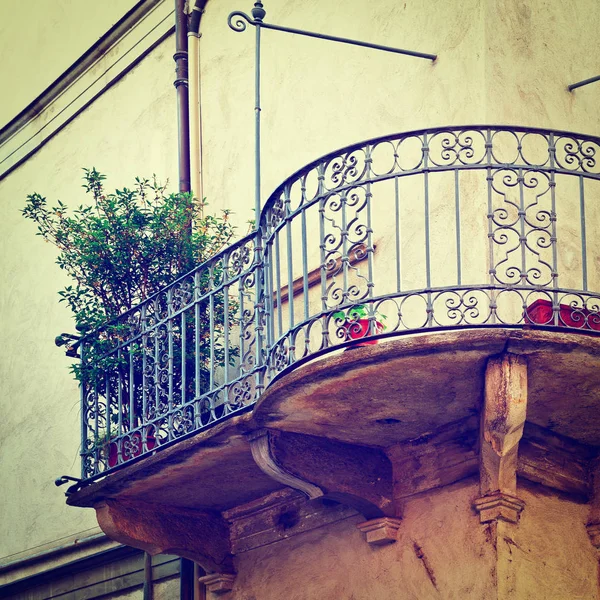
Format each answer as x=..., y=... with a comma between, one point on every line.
x=356, y=330
x=131, y=450
x=540, y=313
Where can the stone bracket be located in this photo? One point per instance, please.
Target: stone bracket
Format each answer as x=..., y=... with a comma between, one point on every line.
x=380, y=532
x=218, y=583
x=261, y=447
x=502, y=423
x=356, y=476
x=499, y=507
x=158, y=529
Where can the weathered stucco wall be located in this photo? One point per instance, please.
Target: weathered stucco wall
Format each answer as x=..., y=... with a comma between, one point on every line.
x=39, y=40
x=506, y=62
x=548, y=554
x=442, y=552
x=129, y=131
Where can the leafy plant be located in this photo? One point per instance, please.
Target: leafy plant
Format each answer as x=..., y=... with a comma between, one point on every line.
x=355, y=313
x=119, y=250
x=125, y=246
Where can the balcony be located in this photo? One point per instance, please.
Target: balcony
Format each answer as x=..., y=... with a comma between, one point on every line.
x=359, y=318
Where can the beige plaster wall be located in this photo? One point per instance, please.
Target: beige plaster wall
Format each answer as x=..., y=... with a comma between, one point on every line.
x=499, y=62
x=318, y=96
x=548, y=555
x=39, y=40
x=535, y=50
x=442, y=552
x=130, y=130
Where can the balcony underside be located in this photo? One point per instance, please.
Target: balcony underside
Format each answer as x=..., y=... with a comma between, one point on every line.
x=367, y=428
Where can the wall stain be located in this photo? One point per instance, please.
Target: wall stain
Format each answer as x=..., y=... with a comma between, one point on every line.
x=428, y=568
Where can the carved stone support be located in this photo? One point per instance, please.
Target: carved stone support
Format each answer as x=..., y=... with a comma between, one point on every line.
x=200, y=536
x=499, y=506
x=218, y=583
x=356, y=476
x=379, y=532
x=261, y=447
x=502, y=423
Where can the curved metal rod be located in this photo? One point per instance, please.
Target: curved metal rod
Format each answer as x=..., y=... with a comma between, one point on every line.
x=239, y=25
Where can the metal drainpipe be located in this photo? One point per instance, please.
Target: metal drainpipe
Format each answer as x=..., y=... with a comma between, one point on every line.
x=181, y=85
x=195, y=100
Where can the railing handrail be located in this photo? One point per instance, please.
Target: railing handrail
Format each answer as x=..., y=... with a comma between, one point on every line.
x=296, y=175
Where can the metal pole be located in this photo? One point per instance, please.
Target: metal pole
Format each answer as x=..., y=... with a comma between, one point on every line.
x=334, y=38
x=258, y=12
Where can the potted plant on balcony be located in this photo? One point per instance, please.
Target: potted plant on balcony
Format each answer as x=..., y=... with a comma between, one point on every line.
x=354, y=324
x=118, y=250
x=110, y=448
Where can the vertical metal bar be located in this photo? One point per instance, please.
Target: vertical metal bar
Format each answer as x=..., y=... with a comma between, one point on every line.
x=521, y=180
x=156, y=368
x=370, y=283
x=211, y=327
x=344, y=201
x=323, y=266
x=304, y=254
x=197, y=390
x=553, y=239
x=241, y=319
x=398, y=234
x=144, y=364
x=108, y=407
x=132, y=415
x=257, y=156
x=170, y=358
x=83, y=386
x=583, y=233
x=183, y=357
x=426, y=191
x=278, y=285
x=261, y=292
x=490, y=216
x=269, y=300
x=290, y=271
x=226, y=327
x=427, y=230
x=457, y=209
x=120, y=396
x=96, y=424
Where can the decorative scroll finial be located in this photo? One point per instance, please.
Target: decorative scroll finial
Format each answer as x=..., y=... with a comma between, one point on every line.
x=240, y=23
x=258, y=12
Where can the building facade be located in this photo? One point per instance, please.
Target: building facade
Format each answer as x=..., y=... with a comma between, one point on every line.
x=455, y=457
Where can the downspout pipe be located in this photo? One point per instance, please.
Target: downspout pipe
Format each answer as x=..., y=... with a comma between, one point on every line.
x=195, y=106
x=181, y=87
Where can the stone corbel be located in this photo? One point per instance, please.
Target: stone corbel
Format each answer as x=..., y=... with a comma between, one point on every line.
x=261, y=446
x=200, y=536
x=218, y=583
x=356, y=476
x=379, y=532
x=502, y=423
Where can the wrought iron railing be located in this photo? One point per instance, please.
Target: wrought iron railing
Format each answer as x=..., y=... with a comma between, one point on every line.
x=435, y=229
